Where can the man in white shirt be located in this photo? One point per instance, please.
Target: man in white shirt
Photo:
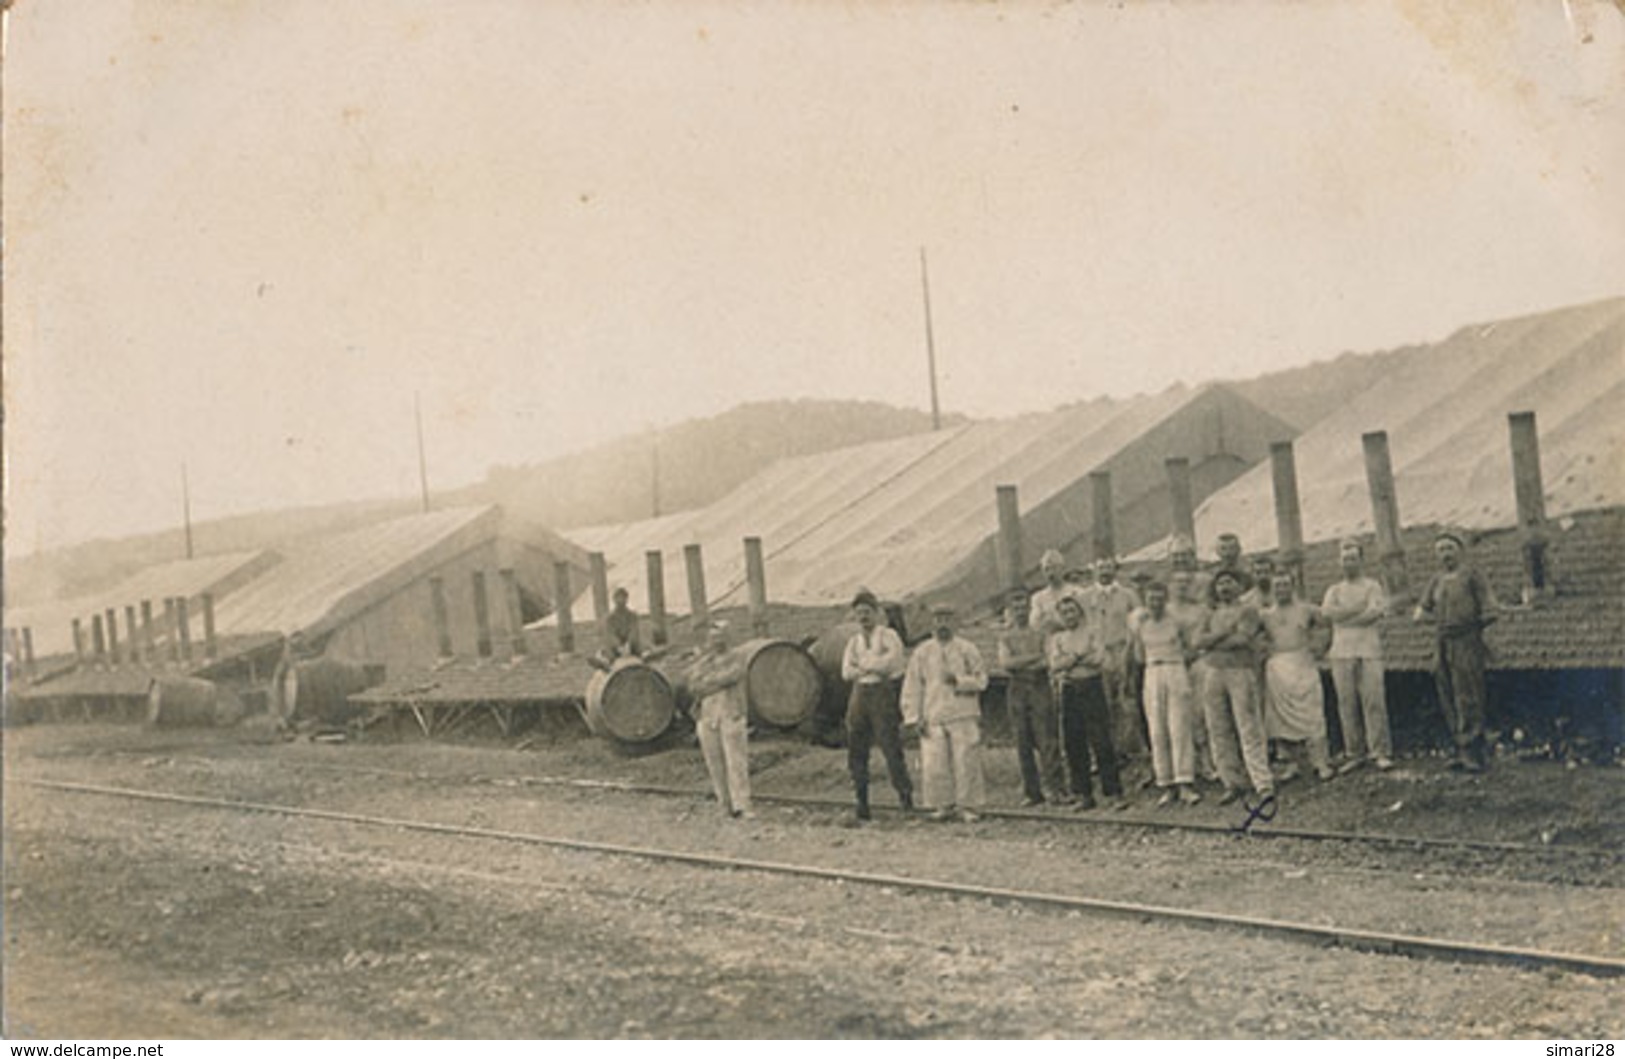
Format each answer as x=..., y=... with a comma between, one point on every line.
x=942, y=697
x=1355, y=605
x=872, y=664
x=717, y=680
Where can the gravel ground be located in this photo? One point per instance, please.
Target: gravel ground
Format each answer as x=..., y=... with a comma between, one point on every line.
x=127, y=919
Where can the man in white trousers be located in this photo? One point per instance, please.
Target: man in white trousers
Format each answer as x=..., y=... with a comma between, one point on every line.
x=1355, y=606
x=717, y=681
x=942, y=691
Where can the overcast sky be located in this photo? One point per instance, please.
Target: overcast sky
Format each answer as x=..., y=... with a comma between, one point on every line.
x=244, y=234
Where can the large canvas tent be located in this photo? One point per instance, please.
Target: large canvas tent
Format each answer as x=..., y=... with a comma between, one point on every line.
x=1445, y=408
x=915, y=517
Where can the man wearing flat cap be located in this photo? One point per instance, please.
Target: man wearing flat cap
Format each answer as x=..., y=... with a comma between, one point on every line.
x=873, y=663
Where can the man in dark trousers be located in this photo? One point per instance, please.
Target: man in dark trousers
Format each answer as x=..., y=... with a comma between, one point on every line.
x=1460, y=601
x=873, y=663
x=1075, y=656
x=1032, y=707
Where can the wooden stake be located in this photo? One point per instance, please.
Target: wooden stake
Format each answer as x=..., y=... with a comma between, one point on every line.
x=563, y=598
x=600, y=596
x=1288, y=511
x=1379, y=476
x=657, y=596
x=1531, y=500
x=442, y=618
x=1180, y=502
x=516, y=613
x=210, y=648
x=1008, y=553
x=756, y=575
x=183, y=621
x=699, y=611
x=482, y=615
x=1105, y=537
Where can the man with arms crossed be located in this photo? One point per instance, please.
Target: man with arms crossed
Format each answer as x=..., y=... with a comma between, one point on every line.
x=1354, y=606
x=872, y=664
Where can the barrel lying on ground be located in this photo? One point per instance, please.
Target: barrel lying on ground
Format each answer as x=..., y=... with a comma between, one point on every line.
x=782, y=682
x=318, y=690
x=630, y=703
x=177, y=702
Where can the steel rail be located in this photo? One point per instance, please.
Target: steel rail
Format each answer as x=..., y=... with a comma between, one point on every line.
x=1362, y=940
x=1260, y=829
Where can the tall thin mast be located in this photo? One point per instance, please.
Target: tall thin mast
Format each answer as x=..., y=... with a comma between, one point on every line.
x=423, y=462
x=186, y=508
x=654, y=472
x=930, y=344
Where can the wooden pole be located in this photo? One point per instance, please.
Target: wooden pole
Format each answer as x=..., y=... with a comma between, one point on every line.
x=210, y=647
x=482, y=615
x=657, y=596
x=442, y=618
x=516, y=613
x=1008, y=553
x=134, y=648
x=149, y=641
x=699, y=612
x=1105, y=537
x=600, y=596
x=1288, y=511
x=930, y=343
x=183, y=621
x=1531, y=500
x=563, y=597
x=112, y=636
x=1181, y=504
x=756, y=576
x=1379, y=477
x=171, y=633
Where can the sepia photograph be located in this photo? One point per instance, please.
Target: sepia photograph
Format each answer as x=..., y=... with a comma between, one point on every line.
x=903, y=520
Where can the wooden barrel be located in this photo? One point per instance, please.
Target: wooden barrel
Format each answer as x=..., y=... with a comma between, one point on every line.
x=830, y=647
x=630, y=703
x=782, y=683
x=317, y=690
x=177, y=702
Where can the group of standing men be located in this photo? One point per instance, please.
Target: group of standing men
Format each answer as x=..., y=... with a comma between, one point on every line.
x=1203, y=672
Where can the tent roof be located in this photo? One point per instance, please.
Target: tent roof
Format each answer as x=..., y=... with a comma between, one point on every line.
x=1445, y=411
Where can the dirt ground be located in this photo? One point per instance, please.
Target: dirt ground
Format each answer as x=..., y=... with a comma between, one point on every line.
x=129, y=919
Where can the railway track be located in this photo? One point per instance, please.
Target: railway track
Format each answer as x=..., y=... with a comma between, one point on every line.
x=1097, y=820
x=1364, y=940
